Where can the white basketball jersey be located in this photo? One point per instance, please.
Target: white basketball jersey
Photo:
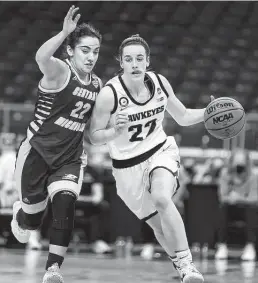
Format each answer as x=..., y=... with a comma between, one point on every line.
x=145, y=129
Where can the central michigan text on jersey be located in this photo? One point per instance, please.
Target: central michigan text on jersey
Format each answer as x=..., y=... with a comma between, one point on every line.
x=60, y=117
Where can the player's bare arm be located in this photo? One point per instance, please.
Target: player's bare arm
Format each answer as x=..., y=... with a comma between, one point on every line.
x=55, y=71
x=99, y=133
x=182, y=115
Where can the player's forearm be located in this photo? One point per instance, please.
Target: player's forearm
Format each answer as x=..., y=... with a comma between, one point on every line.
x=192, y=116
x=100, y=137
x=49, y=48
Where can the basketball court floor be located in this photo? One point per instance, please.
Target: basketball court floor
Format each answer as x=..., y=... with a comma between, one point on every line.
x=26, y=266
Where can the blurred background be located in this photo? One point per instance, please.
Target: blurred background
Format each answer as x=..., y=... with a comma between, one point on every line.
x=203, y=48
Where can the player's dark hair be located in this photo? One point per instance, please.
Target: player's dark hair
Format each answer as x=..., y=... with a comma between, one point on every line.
x=132, y=40
x=80, y=31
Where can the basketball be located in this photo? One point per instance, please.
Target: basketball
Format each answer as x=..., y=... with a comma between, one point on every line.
x=224, y=118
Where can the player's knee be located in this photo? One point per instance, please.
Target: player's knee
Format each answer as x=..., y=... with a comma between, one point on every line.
x=63, y=206
x=32, y=221
x=159, y=193
x=160, y=199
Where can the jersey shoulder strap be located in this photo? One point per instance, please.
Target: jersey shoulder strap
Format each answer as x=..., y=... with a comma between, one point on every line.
x=156, y=77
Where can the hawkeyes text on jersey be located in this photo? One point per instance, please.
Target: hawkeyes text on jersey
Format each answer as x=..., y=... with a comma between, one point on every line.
x=60, y=117
x=145, y=129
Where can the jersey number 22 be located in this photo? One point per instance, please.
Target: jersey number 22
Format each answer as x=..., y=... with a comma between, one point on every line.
x=77, y=113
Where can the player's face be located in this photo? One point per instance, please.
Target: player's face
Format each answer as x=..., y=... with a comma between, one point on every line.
x=134, y=61
x=85, y=54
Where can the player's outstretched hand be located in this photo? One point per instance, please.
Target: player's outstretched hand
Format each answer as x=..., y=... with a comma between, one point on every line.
x=70, y=23
x=121, y=122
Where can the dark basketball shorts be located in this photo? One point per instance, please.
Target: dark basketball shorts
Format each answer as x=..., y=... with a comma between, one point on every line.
x=36, y=182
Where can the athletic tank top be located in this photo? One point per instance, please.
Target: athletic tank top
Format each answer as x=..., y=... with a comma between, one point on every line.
x=145, y=130
x=60, y=116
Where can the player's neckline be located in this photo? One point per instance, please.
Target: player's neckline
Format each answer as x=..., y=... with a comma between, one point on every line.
x=77, y=75
x=152, y=91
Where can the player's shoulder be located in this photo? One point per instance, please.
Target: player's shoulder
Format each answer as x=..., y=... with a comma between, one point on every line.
x=158, y=76
x=113, y=81
x=106, y=94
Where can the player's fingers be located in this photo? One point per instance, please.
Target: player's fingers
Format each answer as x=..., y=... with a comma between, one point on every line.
x=76, y=19
x=122, y=116
x=69, y=13
x=74, y=11
x=212, y=97
x=121, y=121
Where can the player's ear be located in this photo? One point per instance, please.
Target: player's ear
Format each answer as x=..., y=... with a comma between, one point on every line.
x=69, y=50
x=121, y=64
x=148, y=61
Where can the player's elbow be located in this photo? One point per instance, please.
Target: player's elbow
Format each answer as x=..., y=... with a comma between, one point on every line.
x=182, y=122
x=39, y=57
x=94, y=139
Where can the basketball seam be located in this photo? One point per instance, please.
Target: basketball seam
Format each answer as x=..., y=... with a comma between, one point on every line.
x=237, y=133
x=223, y=112
x=229, y=125
x=222, y=98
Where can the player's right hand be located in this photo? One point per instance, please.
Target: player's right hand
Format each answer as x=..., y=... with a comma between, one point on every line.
x=121, y=122
x=70, y=24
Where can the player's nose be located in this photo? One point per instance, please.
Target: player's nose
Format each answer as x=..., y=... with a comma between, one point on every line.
x=90, y=56
x=134, y=63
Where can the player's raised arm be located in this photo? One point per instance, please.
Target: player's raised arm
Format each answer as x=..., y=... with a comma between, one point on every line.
x=182, y=115
x=99, y=131
x=51, y=67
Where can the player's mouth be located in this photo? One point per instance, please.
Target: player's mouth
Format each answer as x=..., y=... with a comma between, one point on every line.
x=136, y=72
x=89, y=65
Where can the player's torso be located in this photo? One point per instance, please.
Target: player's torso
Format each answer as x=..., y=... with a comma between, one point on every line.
x=60, y=117
x=145, y=129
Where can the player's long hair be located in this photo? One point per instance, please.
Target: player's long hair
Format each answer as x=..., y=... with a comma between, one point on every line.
x=74, y=37
x=135, y=39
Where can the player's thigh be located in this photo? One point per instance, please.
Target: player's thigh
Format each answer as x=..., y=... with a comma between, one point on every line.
x=132, y=187
x=31, y=174
x=163, y=175
x=69, y=178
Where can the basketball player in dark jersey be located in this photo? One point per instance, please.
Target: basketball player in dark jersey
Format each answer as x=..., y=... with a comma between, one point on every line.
x=49, y=162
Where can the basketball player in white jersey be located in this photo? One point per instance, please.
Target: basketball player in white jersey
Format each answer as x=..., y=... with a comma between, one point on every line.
x=128, y=116
x=49, y=162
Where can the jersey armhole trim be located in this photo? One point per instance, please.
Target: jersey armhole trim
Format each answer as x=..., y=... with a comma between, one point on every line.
x=115, y=98
x=161, y=85
x=100, y=83
x=59, y=89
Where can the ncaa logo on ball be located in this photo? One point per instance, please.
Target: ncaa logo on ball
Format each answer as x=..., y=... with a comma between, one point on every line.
x=219, y=106
x=223, y=118
x=123, y=101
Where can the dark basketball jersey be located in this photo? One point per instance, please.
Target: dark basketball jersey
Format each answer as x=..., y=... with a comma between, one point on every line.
x=60, y=116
